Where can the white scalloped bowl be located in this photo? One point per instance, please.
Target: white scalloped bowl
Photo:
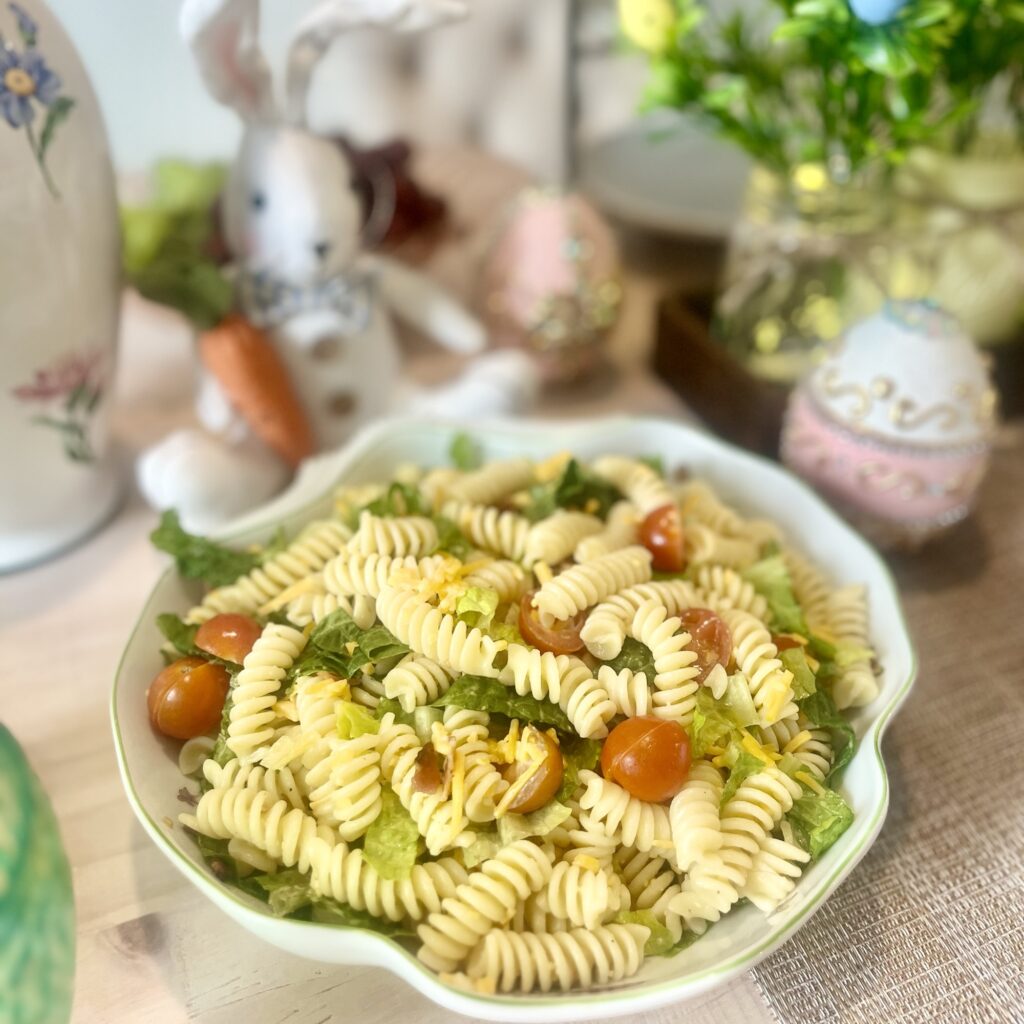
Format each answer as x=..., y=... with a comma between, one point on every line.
x=742, y=938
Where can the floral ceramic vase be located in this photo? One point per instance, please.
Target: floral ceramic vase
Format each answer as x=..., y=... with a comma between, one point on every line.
x=60, y=290
x=37, y=909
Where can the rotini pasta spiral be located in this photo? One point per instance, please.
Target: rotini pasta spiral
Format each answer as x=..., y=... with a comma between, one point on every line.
x=810, y=588
x=722, y=587
x=579, y=895
x=315, y=605
x=505, y=578
x=756, y=656
x=676, y=674
x=620, y=531
x=397, y=536
x=530, y=916
x=440, y=637
x=416, y=680
x=338, y=871
x=437, y=819
x=571, y=959
x=588, y=839
x=631, y=821
x=582, y=586
x=796, y=736
x=773, y=873
x=279, y=784
x=627, y=690
x=554, y=539
x=307, y=554
x=605, y=629
x=501, y=532
x=694, y=816
x=848, y=619
x=703, y=545
x=273, y=826
x=354, y=573
x=637, y=481
x=344, y=787
x=652, y=885
x=490, y=483
x=565, y=680
x=255, y=689
x=484, y=785
x=714, y=883
x=487, y=900
x=368, y=691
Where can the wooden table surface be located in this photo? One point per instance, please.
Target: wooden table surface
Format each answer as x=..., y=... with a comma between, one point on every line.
x=150, y=948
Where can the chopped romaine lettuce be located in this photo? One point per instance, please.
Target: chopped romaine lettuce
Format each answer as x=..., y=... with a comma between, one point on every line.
x=198, y=558
x=476, y=607
x=423, y=719
x=578, y=755
x=659, y=941
x=819, y=819
x=717, y=722
x=392, y=840
x=479, y=694
x=287, y=891
x=577, y=489
x=390, y=706
x=821, y=712
x=655, y=462
x=328, y=911
x=507, y=631
x=635, y=656
x=484, y=847
x=339, y=646
x=450, y=538
x=354, y=720
x=513, y=827
x=465, y=453
x=770, y=577
x=741, y=764
x=794, y=659
x=178, y=634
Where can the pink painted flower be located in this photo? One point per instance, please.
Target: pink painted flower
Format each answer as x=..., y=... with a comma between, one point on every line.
x=62, y=378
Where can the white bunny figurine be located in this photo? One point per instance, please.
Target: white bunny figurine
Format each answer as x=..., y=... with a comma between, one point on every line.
x=293, y=223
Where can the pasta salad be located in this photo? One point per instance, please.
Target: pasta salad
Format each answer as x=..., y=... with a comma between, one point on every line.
x=539, y=720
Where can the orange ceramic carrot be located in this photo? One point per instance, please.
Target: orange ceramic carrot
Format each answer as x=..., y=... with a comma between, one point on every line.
x=244, y=362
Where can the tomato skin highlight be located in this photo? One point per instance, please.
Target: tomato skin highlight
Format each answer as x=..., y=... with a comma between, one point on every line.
x=561, y=638
x=186, y=699
x=661, y=533
x=710, y=637
x=543, y=786
x=228, y=636
x=648, y=757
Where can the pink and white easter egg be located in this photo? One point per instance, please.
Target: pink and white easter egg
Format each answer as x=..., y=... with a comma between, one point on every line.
x=551, y=282
x=895, y=425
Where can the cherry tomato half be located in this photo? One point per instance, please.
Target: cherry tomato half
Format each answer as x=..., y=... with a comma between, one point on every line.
x=186, y=699
x=649, y=757
x=709, y=637
x=562, y=637
x=662, y=534
x=228, y=636
x=785, y=641
x=544, y=783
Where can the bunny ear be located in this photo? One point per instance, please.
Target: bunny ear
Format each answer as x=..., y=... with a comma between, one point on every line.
x=331, y=19
x=224, y=37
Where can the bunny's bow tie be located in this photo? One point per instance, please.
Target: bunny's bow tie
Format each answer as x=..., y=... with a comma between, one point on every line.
x=269, y=301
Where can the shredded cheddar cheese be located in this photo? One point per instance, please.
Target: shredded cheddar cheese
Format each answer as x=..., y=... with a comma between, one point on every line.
x=588, y=863
x=796, y=742
x=809, y=780
x=308, y=585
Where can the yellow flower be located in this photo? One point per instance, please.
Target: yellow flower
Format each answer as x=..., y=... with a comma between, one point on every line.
x=648, y=23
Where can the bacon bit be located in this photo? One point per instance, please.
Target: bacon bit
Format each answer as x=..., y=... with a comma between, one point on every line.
x=427, y=777
x=787, y=641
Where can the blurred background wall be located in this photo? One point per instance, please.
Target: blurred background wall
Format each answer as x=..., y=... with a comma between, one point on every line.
x=498, y=79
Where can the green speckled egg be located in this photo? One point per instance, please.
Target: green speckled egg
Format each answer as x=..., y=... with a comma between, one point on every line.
x=37, y=910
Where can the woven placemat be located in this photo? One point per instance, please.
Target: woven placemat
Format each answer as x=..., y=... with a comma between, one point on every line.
x=930, y=926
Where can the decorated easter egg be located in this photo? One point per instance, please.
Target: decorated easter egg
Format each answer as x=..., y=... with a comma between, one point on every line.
x=550, y=283
x=876, y=12
x=895, y=424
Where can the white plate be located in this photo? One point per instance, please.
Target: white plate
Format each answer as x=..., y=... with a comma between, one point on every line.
x=149, y=769
x=671, y=177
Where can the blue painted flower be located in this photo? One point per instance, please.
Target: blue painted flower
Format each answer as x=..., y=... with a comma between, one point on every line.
x=27, y=28
x=24, y=77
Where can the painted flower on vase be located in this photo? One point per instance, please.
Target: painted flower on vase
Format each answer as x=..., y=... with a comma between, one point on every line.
x=29, y=86
x=71, y=388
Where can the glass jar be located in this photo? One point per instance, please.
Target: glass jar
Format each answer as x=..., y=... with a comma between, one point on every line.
x=808, y=257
